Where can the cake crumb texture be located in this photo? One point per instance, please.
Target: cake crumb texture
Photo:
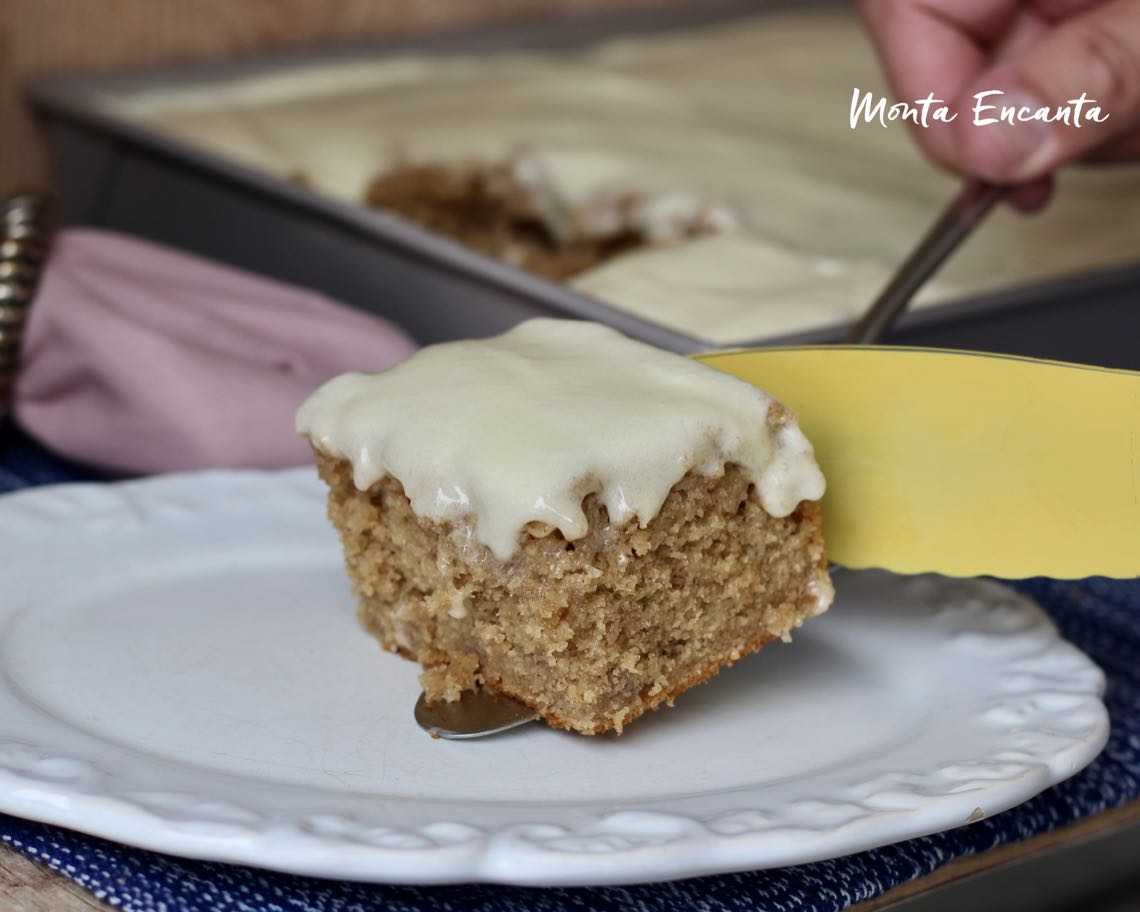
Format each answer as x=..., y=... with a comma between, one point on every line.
x=591, y=632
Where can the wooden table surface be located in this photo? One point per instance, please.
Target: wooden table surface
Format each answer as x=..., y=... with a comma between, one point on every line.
x=26, y=886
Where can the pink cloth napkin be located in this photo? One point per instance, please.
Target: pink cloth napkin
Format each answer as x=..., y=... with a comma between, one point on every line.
x=138, y=358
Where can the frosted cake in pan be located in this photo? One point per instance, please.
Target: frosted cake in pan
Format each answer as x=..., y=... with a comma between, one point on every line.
x=750, y=117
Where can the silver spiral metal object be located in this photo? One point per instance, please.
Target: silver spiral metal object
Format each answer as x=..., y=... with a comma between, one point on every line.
x=23, y=250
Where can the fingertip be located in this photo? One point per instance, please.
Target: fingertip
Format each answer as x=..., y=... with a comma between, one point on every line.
x=938, y=142
x=998, y=150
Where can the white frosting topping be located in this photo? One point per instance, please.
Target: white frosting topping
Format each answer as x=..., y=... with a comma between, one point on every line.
x=707, y=287
x=657, y=218
x=521, y=427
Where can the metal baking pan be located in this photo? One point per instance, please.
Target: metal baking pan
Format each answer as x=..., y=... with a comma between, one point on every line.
x=119, y=174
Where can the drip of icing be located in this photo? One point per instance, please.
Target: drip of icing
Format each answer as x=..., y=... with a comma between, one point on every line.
x=521, y=427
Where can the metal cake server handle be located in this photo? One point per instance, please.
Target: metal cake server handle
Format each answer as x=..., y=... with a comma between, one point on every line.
x=963, y=215
x=481, y=712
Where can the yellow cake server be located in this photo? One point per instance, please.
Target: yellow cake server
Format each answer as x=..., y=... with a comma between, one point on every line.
x=961, y=462
x=965, y=463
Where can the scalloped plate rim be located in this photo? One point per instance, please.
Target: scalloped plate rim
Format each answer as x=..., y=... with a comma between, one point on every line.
x=644, y=842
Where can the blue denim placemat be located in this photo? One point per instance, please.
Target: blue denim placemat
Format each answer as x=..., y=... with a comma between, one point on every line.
x=1102, y=617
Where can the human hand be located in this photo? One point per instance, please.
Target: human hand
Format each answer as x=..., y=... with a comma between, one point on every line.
x=1040, y=53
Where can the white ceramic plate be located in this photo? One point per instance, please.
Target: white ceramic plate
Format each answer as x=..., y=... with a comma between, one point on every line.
x=182, y=670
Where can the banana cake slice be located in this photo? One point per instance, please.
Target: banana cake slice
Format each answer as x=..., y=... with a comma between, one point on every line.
x=562, y=514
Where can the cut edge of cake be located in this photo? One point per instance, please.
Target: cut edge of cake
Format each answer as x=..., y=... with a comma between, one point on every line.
x=429, y=592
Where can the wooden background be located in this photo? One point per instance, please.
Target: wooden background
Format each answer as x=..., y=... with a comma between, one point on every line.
x=58, y=37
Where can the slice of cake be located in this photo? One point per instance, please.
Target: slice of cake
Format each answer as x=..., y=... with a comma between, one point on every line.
x=514, y=209
x=581, y=521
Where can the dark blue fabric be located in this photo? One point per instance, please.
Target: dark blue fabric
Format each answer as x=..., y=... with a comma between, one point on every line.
x=24, y=463
x=1100, y=616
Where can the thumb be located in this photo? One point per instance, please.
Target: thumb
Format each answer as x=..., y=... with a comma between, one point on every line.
x=1095, y=55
